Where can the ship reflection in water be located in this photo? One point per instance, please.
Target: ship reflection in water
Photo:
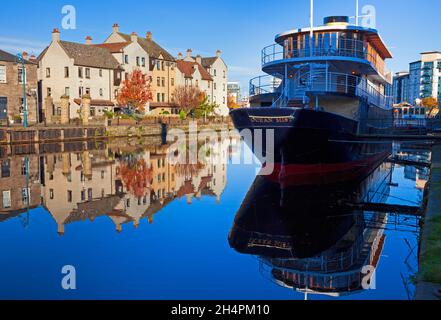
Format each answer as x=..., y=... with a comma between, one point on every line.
x=308, y=238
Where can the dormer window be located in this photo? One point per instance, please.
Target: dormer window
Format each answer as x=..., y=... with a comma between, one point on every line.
x=126, y=59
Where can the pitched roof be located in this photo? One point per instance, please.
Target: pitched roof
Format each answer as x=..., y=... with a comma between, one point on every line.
x=8, y=57
x=151, y=47
x=188, y=68
x=90, y=55
x=113, y=47
x=97, y=103
x=209, y=61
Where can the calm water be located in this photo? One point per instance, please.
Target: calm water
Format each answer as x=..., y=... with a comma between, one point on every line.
x=136, y=227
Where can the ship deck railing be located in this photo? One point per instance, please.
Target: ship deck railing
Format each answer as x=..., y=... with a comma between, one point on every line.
x=345, y=48
x=265, y=84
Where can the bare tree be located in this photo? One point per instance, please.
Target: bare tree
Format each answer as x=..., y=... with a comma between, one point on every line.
x=188, y=98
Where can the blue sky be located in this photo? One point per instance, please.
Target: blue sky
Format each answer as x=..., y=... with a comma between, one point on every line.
x=240, y=28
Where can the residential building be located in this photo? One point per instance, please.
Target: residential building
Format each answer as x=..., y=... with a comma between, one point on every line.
x=234, y=91
x=190, y=72
x=424, y=78
x=130, y=55
x=162, y=68
x=73, y=70
x=11, y=89
x=218, y=70
x=401, y=87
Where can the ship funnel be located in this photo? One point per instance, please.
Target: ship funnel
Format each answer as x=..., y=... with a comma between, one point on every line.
x=336, y=21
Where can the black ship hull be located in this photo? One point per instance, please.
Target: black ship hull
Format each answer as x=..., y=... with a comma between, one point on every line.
x=309, y=146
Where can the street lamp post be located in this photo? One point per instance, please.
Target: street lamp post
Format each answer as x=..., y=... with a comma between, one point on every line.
x=21, y=60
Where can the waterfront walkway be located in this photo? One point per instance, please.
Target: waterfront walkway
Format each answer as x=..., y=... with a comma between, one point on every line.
x=429, y=278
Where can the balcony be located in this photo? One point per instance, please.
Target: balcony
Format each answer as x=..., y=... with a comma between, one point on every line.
x=324, y=83
x=264, y=85
x=354, y=49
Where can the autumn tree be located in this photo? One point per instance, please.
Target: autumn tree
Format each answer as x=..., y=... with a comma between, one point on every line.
x=205, y=109
x=135, y=92
x=232, y=104
x=188, y=98
x=136, y=176
x=430, y=103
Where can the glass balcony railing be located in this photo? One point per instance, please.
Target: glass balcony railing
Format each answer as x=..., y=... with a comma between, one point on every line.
x=345, y=48
x=264, y=85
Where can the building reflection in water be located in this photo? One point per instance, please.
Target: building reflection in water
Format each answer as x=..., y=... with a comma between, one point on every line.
x=125, y=183
x=309, y=238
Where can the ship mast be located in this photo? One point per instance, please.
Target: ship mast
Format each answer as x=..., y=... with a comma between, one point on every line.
x=357, y=17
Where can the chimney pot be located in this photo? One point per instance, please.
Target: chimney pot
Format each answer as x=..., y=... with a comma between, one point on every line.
x=25, y=55
x=134, y=37
x=199, y=59
x=115, y=28
x=56, y=35
x=189, y=52
x=180, y=56
x=218, y=53
x=88, y=40
x=149, y=36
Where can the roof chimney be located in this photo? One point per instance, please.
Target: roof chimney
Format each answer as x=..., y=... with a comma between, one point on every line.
x=199, y=59
x=180, y=56
x=115, y=28
x=189, y=52
x=25, y=55
x=88, y=40
x=134, y=37
x=55, y=35
x=218, y=53
x=149, y=36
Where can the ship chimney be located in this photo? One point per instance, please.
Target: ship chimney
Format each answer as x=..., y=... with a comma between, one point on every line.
x=149, y=36
x=88, y=40
x=115, y=28
x=336, y=21
x=56, y=35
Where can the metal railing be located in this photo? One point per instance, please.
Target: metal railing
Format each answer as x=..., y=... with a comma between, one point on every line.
x=345, y=48
x=264, y=85
x=322, y=81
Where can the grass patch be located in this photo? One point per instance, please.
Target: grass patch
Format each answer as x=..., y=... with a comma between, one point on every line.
x=431, y=257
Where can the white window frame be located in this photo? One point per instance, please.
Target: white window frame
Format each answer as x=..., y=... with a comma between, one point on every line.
x=3, y=74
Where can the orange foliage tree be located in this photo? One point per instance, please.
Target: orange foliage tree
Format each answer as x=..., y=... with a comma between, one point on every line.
x=188, y=98
x=232, y=104
x=136, y=177
x=135, y=92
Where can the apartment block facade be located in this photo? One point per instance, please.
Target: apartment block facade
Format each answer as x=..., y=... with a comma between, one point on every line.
x=11, y=89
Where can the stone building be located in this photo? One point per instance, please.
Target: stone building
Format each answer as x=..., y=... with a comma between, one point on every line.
x=162, y=68
x=74, y=70
x=11, y=89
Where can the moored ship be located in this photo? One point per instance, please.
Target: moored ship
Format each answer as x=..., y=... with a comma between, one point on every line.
x=327, y=88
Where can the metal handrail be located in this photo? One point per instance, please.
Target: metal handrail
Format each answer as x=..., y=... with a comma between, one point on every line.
x=264, y=85
x=346, y=48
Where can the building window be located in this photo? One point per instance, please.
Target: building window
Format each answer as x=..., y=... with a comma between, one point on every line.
x=209, y=84
x=163, y=82
x=89, y=194
x=48, y=72
x=51, y=194
x=21, y=75
x=128, y=203
x=159, y=178
x=80, y=92
x=224, y=100
x=2, y=74
x=158, y=97
x=83, y=195
x=67, y=91
x=24, y=169
x=80, y=72
x=143, y=62
x=158, y=81
x=66, y=72
x=215, y=86
x=197, y=83
x=101, y=92
x=69, y=196
x=87, y=73
x=6, y=199
x=5, y=169
x=214, y=72
x=138, y=64
x=163, y=97
x=101, y=73
x=126, y=59
x=158, y=65
x=102, y=174
x=225, y=74
x=163, y=66
x=172, y=81
x=88, y=91
x=25, y=195
x=49, y=92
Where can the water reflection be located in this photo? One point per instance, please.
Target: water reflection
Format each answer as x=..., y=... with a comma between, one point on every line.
x=125, y=183
x=309, y=238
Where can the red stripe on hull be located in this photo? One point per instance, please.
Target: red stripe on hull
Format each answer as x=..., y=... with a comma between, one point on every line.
x=319, y=174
